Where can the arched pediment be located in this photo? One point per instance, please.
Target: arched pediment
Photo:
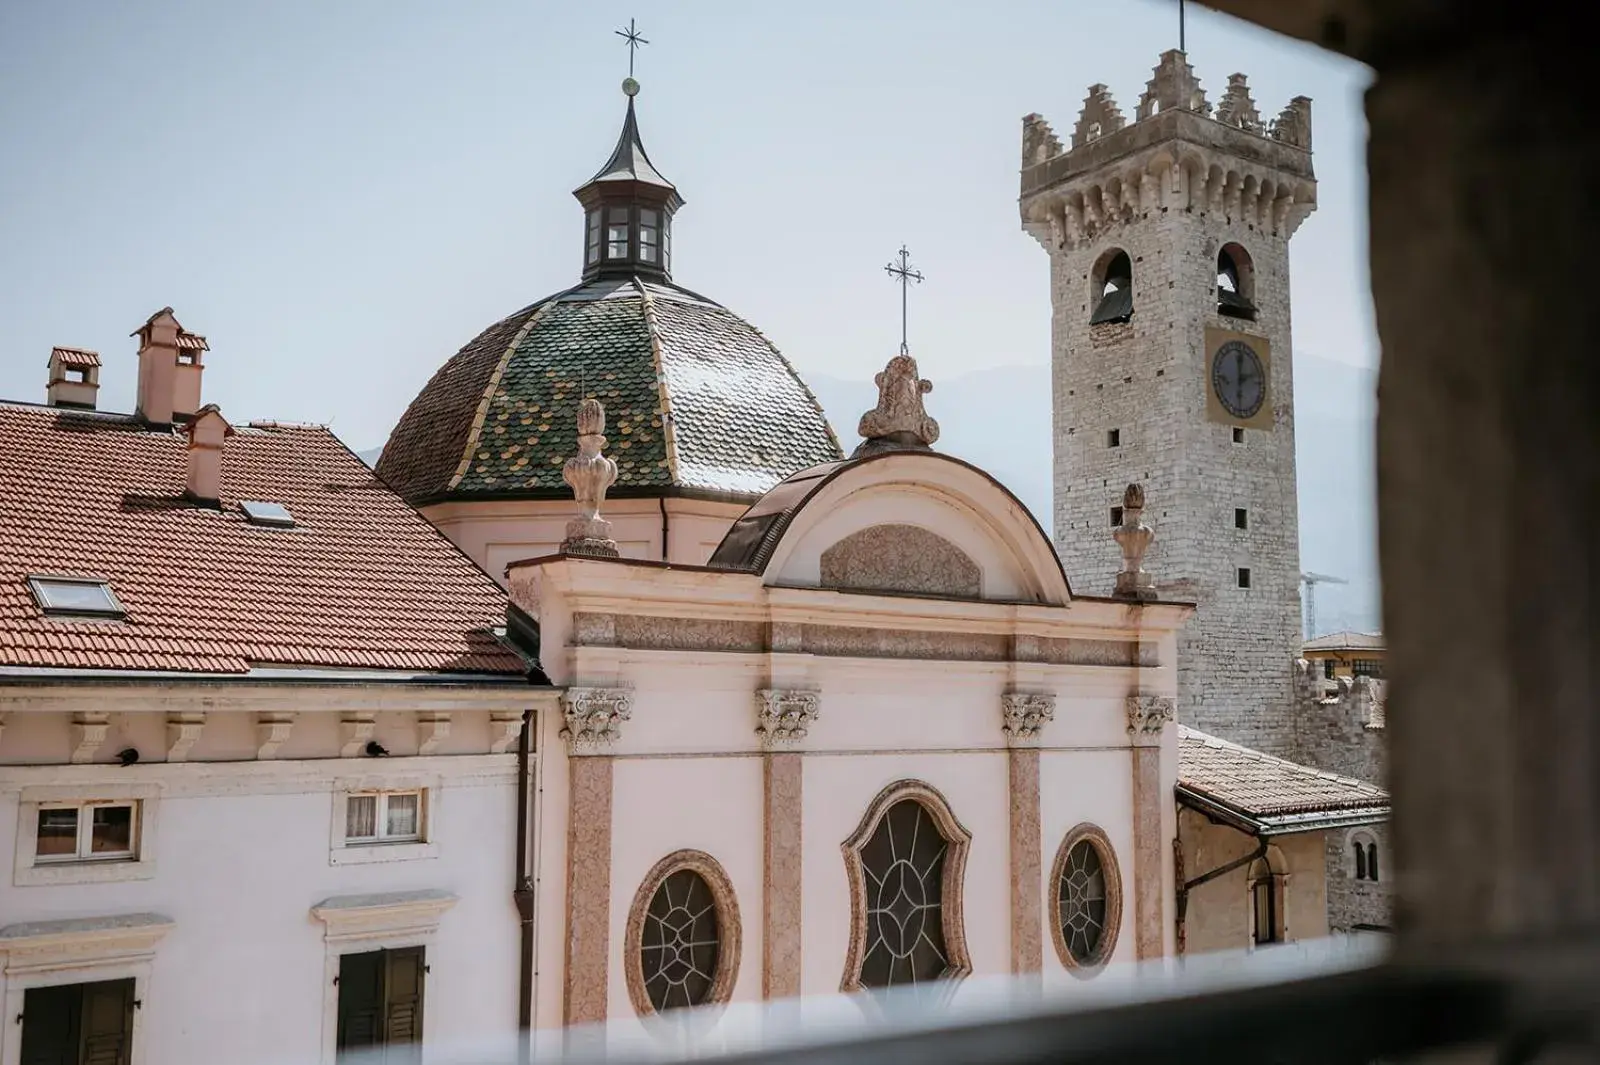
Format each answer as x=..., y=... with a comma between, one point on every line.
x=908, y=522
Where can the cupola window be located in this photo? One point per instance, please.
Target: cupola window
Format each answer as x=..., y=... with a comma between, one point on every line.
x=649, y=235
x=616, y=233
x=628, y=209
x=591, y=253
x=1235, y=283
x=1113, y=289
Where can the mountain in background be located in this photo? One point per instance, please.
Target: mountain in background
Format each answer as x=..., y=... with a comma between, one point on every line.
x=1002, y=424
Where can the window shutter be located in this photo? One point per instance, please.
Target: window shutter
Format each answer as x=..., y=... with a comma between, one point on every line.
x=50, y=1025
x=403, y=1009
x=360, y=1000
x=107, y=1023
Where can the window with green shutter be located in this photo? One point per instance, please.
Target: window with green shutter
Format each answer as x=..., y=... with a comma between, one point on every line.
x=78, y=1024
x=380, y=1004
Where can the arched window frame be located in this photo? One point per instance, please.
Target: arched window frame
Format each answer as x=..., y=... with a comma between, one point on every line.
x=1269, y=877
x=1100, y=276
x=1367, y=866
x=957, y=841
x=728, y=928
x=1244, y=305
x=1113, y=877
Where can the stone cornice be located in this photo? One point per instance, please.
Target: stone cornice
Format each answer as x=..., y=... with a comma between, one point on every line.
x=41, y=946
x=176, y=696
x=354, y=917
x=269, y=777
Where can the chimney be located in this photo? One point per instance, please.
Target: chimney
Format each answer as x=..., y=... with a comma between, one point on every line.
x=74, y=378
x=207, y=430
x=169, y=369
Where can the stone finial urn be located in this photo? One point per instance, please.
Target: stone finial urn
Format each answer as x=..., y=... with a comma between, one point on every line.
x=589, y=474
x=1133, y=536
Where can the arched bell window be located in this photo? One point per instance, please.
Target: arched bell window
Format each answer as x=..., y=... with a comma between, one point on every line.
x=1365, y=848
x=1235, y=283
x=682, y=940
x=906, y=865
x=1112, y=288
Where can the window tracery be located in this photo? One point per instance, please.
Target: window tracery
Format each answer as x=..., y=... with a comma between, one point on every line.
x=683, y=935
x=1085, y=900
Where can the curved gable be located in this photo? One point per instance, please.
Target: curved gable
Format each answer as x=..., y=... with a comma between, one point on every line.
x=914, y=522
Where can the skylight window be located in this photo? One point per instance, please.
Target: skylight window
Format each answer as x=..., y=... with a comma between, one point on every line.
x=75, y=597
x=274, y=515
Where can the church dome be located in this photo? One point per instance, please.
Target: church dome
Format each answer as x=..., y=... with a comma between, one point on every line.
x=698, y=401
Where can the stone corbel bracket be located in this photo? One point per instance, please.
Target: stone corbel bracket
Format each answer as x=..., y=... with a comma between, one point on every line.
x=183, y=732
x=784, y=716
x=355, y=731
x=1023, y=717
x=433, y=728
x=594, y=717
x=89, y=728
x=505, y=728
x=1149, y=714
x=272, y=731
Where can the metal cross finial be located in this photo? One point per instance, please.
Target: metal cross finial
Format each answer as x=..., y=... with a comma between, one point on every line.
x=903, y=272
x=631, y=35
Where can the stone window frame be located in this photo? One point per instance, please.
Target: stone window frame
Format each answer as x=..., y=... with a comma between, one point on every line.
x=728, y=928
x=1369, y=840
x=343, y=852
x=958, y=842
x=27, y=871
x=1273, y=871
x=1113, y=874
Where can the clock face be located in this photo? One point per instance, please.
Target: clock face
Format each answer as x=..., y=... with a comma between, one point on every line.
x=1239, y=379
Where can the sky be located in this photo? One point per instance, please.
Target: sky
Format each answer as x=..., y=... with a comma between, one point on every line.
x=342, y=194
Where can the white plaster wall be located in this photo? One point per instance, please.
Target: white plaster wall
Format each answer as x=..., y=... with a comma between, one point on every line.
x=241, y=856
x=1092, y=786
x=661, y=805
x=1219, y=915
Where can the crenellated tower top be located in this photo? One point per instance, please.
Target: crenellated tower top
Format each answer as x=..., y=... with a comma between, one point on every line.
x=1176, y=154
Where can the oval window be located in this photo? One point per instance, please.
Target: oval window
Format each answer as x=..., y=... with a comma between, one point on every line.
x=680, y=942
x=1087, y=905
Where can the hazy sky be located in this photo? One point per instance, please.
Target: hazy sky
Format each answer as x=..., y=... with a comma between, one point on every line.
x=340, y=193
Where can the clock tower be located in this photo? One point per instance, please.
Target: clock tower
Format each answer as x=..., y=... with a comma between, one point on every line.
x=1168, y=238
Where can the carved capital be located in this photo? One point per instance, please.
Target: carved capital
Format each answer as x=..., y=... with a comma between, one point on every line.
x=594, y=717
x=1149, y=714
x=1023, y=717
x=783, y=717
x=183, y=732
x=272, y=731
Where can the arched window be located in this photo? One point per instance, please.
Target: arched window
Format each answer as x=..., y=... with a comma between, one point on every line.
x=1086, y=904
x=1366, y=850
x=906, y=864
x=1236, y=291
x=1361, y=860
x=1372, y=861
x=1267, y=881
x=682, y=943
x=1112, y=288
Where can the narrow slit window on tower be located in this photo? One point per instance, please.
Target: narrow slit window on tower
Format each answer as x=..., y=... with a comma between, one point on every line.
x=649, y=235
x=1244, y=576
x=1235, y=283
x=616, y=233
x=1116, y=517
x=1241, y=518
x=1113, y=438
x=1113, y=290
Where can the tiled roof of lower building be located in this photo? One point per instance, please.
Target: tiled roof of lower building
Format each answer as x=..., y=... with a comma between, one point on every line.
x=696, y=399
x=360, y=581
x=1267, y=794
x=1346, y=641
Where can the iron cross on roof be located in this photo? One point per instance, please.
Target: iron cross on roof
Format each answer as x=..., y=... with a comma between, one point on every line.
x=902, y=272
x=631, y=35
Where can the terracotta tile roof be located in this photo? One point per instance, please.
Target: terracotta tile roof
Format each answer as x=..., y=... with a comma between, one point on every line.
x=1269, y=794
x=77, y=357
x=695, y=398
x=1346, y=641
x=361, y=581
x=192, y=341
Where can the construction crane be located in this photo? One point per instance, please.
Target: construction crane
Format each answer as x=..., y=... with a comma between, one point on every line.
x=1311, y=580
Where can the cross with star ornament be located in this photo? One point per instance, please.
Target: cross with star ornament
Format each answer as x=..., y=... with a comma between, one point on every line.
x=902, y=272
x=631, y=35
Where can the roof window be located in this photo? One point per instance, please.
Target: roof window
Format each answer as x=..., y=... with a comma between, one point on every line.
x=272, y=515
x=75, y=597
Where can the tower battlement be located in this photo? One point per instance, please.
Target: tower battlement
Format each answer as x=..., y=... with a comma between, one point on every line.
x=1177, y=153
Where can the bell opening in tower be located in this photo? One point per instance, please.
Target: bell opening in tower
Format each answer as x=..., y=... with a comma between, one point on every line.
x=1112, y=288
x=1235, y=283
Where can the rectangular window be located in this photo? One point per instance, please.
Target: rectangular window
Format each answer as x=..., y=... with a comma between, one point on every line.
x=75, y=596
x=1241, y=518
x=617, y=233
x=380, y=1002
x=80, y=832
x=1238, y=435
x=78, y=1024
x=591, y=239
x=384, y=817
x=1116, y=517
x=1114, y=438
x=1367, y=667
x=1244, y=577
x=1264, y=896
x=1327, y=668
x=649, y=234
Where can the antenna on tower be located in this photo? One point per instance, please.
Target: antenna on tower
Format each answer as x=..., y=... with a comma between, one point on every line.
x=1311, y=580
x=1181, y=45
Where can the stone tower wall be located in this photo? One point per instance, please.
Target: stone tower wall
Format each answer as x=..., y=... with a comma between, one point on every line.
x=1170, y=189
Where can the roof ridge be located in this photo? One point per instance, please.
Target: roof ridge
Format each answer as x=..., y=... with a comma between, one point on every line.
x=669, y=426
x=493, y=385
